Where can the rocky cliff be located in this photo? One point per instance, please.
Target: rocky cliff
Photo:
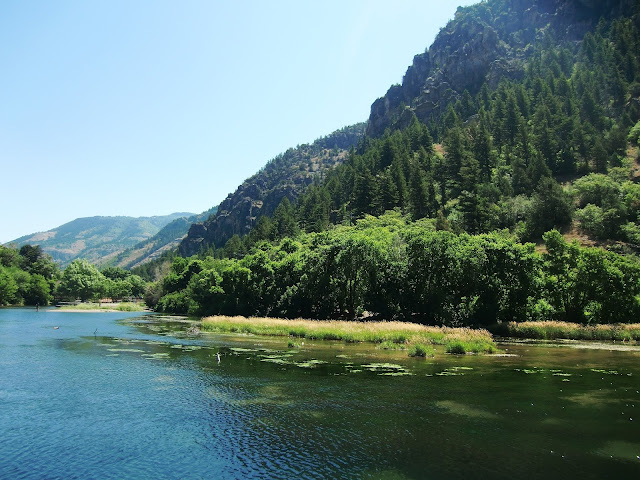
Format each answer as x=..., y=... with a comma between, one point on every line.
x=287, y=175
x=483, y=43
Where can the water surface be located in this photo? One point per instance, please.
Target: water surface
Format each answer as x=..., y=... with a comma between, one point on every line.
x=119, y=395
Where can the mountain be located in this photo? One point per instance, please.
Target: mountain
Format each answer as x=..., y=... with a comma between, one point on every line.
x=485, y=44
x=98, y=239
x=513, y=119
x=520, y=124
x=287, y=175
x=167, y=239
x=510, y=93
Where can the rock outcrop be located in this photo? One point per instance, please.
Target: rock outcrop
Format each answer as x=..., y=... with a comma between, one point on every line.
x=287, y=175
x=486, y=42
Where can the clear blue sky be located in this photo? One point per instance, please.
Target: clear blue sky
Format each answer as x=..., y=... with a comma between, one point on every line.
x=148, y=107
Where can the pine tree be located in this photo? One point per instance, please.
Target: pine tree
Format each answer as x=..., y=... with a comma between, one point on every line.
x=284, y=220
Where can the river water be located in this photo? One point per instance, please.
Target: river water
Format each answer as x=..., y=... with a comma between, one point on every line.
x=118, y=395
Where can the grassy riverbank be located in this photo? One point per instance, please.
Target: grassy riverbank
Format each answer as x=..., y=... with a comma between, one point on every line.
x=104, y=307
x=455, y=340
x=552, y=330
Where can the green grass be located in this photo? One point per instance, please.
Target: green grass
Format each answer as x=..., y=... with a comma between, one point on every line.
x=389, y=345
x=420, y=350
x=461, y=347
x=552, y=330
x=388, y=335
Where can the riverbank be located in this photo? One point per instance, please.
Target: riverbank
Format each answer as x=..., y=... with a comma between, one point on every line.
x=553, y=330
x=417, y=338
x=103, y=307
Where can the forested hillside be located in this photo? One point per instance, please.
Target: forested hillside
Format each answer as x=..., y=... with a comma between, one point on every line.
x=500, y=153
x=287, y=175
x=537, y=134
x=166, y=240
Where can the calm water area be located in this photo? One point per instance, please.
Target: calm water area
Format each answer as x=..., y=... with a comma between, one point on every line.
x=130, y=395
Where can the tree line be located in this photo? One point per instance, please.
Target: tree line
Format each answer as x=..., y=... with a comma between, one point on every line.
x=28, y=276
x=393, y=268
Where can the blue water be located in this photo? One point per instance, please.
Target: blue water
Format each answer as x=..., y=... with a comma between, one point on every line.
x=117, y=395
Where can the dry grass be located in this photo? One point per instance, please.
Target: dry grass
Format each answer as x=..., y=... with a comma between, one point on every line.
x=467, y=339
x=104, y=307
x=551, y=330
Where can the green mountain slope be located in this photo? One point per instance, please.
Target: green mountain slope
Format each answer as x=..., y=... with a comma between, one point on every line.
x=486, y=44
x=287, y=175
x=166, y=240
x=522, y=119
x=98, y=239
x=563, y=110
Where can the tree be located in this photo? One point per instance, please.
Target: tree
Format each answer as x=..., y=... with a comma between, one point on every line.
x=30, y=254
x=115, y=273
x=589, y=285
x=38, y=291
x=81, y=280
x=285, y=220
x=550, y=208
x=137, y=285
x=8, y=287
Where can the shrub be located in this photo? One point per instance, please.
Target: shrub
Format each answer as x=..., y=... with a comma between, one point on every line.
x=456, y=348
x=420, y=350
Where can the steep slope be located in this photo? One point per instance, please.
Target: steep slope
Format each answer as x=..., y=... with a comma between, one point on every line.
x=485, y=43
x=512, y=155
x=438, y=231
x=287, y=175
x=168, y=238
x=98, y=239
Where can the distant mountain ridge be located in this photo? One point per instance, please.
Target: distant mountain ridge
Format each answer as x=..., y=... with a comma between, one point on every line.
x=98, y=239
x=168, y=238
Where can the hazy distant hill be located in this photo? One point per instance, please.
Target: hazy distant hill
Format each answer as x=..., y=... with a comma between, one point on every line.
x=168, y=238
x=98, y=239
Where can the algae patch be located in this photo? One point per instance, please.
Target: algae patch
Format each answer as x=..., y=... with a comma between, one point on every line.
x=457, y=408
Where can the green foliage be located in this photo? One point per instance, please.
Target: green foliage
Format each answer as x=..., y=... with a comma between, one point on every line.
x=589, y=285
x=81, y=280
x=634, y=134
x=175, y=302
x=8, y=287
x=27, y=276
x=152, y=294
x=550, y=208
x=457, y=348
x=396, y=269
x=421, y=350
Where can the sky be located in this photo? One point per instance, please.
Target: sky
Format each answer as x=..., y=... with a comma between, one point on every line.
x=149, y=107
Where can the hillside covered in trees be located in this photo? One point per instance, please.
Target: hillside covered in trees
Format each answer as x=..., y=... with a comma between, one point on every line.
x=163, y=242
x=522, y=118
x=287, y=175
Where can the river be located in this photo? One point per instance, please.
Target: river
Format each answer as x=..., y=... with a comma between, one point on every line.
x=129, y=395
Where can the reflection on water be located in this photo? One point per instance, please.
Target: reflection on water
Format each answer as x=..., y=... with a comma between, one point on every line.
x=131, y=396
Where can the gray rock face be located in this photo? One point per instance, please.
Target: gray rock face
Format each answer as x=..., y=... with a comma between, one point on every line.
x=484, y=43
x=288, y=175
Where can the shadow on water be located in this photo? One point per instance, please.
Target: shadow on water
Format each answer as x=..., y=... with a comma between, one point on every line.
x=190, y=404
